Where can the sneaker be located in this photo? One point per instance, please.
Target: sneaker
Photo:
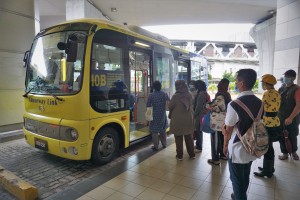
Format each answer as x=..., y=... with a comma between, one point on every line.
x=295, y=156
x=197, y=150
x=215, y=162
x=180, y=159
x=284, y=156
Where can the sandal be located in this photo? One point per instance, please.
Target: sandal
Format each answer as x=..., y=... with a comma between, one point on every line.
x=210, y=161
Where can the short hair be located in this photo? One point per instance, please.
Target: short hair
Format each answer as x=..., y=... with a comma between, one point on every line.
x=223, y=83
x=248, y=76
x=157, y=85
x=290, y=73
x=200, y=85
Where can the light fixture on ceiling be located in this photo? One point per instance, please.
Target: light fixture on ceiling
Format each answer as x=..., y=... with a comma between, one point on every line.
x=271, y=12
x=113, y=10
x=142, y=44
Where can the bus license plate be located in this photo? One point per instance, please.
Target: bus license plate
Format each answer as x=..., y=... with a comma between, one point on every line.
x=41, y=144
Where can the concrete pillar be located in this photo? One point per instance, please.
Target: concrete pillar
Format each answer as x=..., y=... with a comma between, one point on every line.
x=76, y=9
x=264, y=36
x=17, y=25
x=287, y=41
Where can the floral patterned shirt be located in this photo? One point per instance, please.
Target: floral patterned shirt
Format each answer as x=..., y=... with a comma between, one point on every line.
x=271, y=100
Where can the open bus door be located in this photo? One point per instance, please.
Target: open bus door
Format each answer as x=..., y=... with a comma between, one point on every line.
x=139, y=91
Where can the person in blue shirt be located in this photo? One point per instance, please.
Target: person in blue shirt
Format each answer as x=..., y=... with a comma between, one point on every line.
x=158, y=101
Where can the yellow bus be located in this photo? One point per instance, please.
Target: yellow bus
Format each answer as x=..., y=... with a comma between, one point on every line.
x=87, y=83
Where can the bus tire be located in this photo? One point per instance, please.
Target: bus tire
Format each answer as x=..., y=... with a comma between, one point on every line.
x=105, y=146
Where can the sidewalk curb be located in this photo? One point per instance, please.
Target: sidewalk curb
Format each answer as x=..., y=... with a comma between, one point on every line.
x=16, y=186
x=11, y=135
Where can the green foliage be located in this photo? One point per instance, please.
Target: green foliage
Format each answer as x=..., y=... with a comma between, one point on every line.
x=212, y=87
x=209, y=76
x=229, y=76
x=231, y=86
x=255, y=87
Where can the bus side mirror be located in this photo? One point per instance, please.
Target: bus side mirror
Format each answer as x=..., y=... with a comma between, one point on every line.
x=71, y=51
x=70, y=48
x=25, y=59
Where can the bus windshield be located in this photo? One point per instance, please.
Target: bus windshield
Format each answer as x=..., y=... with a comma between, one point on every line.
x=48, y=71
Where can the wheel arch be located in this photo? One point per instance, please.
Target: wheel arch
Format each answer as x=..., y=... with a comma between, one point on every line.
x=119, y=129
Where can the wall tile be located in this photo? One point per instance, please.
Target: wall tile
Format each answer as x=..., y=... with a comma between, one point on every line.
x=281, y=31
x=293, y=28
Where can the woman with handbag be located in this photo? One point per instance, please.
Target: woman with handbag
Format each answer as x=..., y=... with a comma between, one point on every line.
x=201, y=99
x=158, y=101
x=218, y=110
x=271, y=100
x=181, y=115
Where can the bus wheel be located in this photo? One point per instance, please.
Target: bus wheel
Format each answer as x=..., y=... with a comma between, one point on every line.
x=105, y=146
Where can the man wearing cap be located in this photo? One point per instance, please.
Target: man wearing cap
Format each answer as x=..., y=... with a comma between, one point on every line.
x=271, y=100
x=288, y=113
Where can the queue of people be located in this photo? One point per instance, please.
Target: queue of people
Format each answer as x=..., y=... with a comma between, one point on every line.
x=281, y=111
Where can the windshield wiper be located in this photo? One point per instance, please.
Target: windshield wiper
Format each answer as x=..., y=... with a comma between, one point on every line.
x=26, y=94
x=57, y=98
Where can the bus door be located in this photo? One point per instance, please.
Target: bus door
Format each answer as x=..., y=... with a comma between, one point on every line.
x=139, y=63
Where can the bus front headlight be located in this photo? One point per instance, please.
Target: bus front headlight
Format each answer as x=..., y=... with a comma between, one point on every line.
x=68, y=134
x=74, y=134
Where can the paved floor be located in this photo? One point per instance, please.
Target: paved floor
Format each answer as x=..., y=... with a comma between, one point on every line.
x=53, y=175
x=161, y=176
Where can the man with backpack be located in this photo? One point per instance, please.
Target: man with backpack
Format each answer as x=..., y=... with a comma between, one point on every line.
x=237, y=123
x=288, y=113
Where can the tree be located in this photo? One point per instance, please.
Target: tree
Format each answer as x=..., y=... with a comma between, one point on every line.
x=255, y=87
x=229, y=76
x=209, y=76
x=212, y=88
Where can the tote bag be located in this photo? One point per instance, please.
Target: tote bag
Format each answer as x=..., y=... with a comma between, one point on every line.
x=149, y=114
x=217, y=120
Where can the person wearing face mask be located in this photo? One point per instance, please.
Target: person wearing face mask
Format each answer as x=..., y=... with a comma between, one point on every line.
x=193, y=89
x=237, y=121
x=271, y=100
x=288, y=113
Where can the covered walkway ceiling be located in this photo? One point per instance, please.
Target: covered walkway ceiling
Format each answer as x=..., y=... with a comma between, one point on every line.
x=169, y=12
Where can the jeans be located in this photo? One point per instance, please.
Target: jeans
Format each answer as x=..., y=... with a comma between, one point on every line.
x=239, y=176
x=199, y=133
x=221, y=144
x=199, y=139
x=216, y=144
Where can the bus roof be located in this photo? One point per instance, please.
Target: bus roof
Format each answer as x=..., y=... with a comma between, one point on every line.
x=130, y=30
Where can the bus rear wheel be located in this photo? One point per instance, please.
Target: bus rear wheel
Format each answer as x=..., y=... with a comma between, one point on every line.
x=105, y=146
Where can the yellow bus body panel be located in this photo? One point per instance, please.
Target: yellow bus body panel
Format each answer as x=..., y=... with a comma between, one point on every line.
x=120, y=118
x=59, y=147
